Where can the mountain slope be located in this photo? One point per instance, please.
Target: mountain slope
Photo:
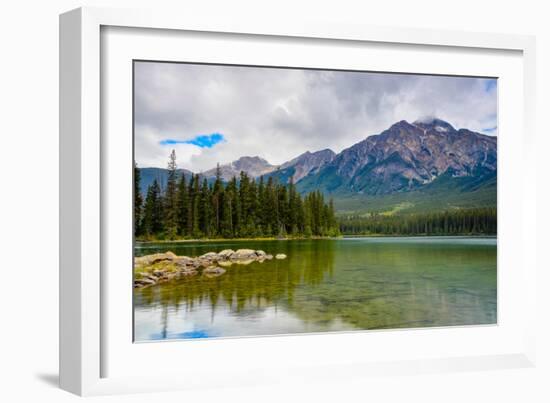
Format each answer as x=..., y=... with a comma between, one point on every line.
x=419, y=166
x=404, y=158
x=148, y=175
x=302, y=166
x=253, y=166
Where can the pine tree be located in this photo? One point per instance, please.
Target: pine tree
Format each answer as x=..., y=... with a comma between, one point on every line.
x=217, y=195
x=170, y=199
x=153, y=214
x=194, y=207
x=250, y=208
x=270, y=210
x=205, y=209
x=226, y=224
x=138, y=201
x=292, y=215
x=282, y=204
x=261, y=210
x=233, y=190
x=183, y=206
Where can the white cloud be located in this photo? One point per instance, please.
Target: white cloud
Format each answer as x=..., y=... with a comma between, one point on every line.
x=280, y=113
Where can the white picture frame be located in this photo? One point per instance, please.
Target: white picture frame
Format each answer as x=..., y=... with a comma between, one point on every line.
x=84, y=341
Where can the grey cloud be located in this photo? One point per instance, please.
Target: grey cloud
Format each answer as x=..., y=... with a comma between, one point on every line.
x=280, y=113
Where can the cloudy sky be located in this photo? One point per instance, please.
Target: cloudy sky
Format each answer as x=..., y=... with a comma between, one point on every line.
x=212, y=114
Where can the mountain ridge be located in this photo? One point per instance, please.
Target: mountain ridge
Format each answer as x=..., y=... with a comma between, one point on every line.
x=406, y=158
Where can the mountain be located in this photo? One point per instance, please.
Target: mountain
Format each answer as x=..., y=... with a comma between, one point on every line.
x=303, y=165
x=421, y=166
x=253, y=166
x=407, y=157
x=148, y=175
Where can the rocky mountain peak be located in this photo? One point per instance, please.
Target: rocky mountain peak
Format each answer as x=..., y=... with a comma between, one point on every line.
x=247, y=163
x=405, y=157
x=402, y=158
x=307, y=163
x=435, y=124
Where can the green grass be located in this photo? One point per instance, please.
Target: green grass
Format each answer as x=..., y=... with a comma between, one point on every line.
x=444, y=194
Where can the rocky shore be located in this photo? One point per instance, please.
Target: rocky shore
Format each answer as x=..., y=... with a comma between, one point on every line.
x=161, y=267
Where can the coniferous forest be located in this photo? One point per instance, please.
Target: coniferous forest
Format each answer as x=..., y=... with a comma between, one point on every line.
x=477, y=221
x=190, y=207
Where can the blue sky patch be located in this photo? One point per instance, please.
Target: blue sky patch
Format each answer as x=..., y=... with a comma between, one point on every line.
x=202, y=140
x=194, y=334
x=490, y=85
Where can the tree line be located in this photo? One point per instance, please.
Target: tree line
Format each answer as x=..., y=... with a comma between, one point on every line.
x=189, y=207
x=476, y=221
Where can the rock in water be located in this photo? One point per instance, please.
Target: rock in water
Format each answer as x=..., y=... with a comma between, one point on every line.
x=210, y=256
x=280, y=256
x=213, y=271
x=155, y=258
x=226, y=253
x=244, y=261
x=243, y=254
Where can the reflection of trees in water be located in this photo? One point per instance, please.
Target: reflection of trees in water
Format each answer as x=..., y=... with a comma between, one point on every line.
x=252, y=286
x=380, y=285
x=405, y=285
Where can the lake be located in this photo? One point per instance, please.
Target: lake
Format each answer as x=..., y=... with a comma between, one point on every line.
x=324, y=285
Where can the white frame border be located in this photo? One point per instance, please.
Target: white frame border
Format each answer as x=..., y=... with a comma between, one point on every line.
x=80, y=173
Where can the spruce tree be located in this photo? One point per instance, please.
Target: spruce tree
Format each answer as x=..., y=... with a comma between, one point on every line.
x=195, y=202
x=170, y=199
x=205, y=210
x=153, y=214
x=217, y=193
x=270, y=211
x=138, y=201
x=226, y=224
x=183, y=206
x=233, y=191
x=190, y=212
x=261, y=210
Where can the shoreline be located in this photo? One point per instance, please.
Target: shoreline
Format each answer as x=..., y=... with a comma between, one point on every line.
x=232, y=239
x=213, y=240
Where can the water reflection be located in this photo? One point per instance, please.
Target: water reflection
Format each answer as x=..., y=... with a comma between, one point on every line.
x=325, y=285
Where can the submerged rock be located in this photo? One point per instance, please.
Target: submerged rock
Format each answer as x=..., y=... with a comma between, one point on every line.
x=213, y=271
x=244, y=261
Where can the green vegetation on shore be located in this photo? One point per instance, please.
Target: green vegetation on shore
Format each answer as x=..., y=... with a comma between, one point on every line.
x=482, y=221
x=190, y=209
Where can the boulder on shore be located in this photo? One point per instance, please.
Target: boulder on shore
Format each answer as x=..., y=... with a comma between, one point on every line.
x=155, y=258
x=162, y=267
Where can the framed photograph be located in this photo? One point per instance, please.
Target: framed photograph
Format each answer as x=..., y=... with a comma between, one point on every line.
x=261, y=199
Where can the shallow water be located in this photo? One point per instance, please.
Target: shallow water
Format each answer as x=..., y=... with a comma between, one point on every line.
x=325, y=285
